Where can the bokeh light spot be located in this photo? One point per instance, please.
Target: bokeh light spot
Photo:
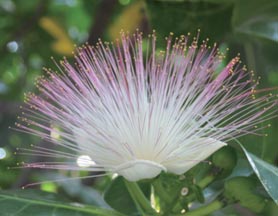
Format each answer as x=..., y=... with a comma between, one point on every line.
x=54, y=133
x=3, y=153
x=12, y=46
x=85, y=161
x=124, y=2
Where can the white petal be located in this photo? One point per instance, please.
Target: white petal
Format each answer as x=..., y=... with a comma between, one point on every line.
x=139, y=169
x=197, y=151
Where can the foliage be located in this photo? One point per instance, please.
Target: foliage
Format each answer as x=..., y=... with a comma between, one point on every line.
x=32, y=31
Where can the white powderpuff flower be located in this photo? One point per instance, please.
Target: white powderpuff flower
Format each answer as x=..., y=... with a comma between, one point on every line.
x=124, y=110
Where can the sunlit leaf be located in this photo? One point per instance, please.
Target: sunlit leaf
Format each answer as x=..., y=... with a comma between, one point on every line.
x=124, y=21
x=267, y=173
x=63, y=44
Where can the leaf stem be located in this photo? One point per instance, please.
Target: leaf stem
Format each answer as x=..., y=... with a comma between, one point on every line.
x=205, y=210
x=160, y=191
x=250, y=55
x=139, y=198
x=206, y=181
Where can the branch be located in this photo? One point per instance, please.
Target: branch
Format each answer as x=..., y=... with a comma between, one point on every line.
x=102, y=19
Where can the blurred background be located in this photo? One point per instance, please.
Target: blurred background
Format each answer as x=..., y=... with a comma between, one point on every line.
x=33, y=31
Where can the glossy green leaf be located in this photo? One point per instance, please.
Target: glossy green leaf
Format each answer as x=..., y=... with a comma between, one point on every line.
x=31, y=202
x=267, y=173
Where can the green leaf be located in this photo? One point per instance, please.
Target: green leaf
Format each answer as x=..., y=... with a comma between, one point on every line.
x=263, y=28
x=198, y=193
x=181, y=17
x=212, y=1
x=267, y=173
x=118, y=197
x=76, y=190
x=32, y=202
x=256, y=18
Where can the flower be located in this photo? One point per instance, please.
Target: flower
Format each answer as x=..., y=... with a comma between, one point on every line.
x=122, y=111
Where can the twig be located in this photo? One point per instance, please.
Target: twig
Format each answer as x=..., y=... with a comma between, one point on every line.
x=102, y=19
